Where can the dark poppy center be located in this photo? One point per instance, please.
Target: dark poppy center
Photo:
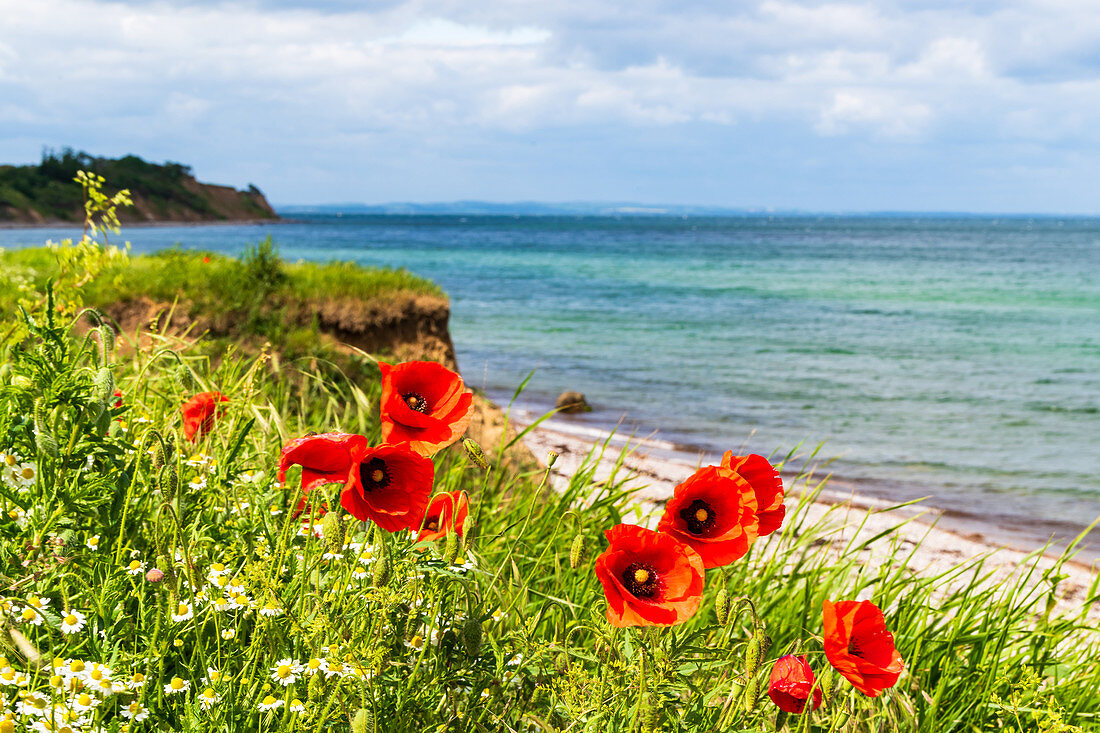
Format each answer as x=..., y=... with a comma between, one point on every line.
x=373, y=474
x=855, y=649
x=416, y=402
x=699, y=517
x=642, y=580
x=433, y=524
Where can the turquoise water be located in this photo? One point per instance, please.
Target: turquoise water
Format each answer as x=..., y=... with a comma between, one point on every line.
x=953, y=357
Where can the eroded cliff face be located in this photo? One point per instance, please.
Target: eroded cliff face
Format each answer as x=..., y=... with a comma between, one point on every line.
x=403, y=327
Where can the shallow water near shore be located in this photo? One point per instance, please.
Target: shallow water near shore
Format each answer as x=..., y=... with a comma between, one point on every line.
x=951, y=357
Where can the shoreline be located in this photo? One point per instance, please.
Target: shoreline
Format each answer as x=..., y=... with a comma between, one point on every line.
x=1017, y=531
x=938, y=542
x=146, y=224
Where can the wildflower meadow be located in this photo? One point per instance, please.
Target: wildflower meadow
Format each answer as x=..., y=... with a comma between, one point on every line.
x=237, y=542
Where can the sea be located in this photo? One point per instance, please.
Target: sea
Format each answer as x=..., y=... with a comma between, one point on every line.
x=949, y=357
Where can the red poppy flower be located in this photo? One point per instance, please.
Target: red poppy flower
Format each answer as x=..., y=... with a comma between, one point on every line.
x=790, y=684
x=200, y=412
x=424, y=404
x=767, y=485
x=858, y=646
x=118, y=398
x=445, y=511
x=714, y=512
x=649, y=578
x=386, y=484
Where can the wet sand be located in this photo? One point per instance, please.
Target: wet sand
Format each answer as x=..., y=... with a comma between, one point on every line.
x=653, y=468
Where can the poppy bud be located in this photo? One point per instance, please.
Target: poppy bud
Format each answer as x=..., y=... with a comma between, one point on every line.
x=381, y=572
x=475, y=454
x=43, y=439
x=722, y=606
x=471, y=636
x=561, y=663
x=450, y=548
x=363, y=722
x=332, y=527
x=168, y=481
x=576, y=552
x=184, y=379
x=752, y=655
x=103, y=384
x=316, y=687
x=752, y=692
x=107, y=337
x=551, y=458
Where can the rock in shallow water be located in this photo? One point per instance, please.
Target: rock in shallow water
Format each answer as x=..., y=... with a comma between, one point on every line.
x=572, y=402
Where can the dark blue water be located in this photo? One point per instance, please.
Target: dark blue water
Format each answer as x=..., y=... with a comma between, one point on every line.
x=953, y=357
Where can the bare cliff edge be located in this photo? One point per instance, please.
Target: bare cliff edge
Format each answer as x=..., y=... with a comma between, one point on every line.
x=405, y=327
x=47, y=194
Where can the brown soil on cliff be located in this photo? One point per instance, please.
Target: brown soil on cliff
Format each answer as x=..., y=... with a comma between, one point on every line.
x=402, y=328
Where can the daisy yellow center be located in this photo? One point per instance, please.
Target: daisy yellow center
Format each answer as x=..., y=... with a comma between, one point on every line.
x=641, y=575
x=182, y=610
x=284, y=670
x=177, y=683
x=96, y=674
x=28, y=614
x=70, y=619
x=77, y=666
x=84, y=699
x=269, y=700
x=28, y=473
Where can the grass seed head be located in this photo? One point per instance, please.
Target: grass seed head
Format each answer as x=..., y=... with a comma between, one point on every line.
x=576, y=552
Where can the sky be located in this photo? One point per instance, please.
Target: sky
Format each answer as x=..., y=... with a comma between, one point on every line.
x=903, y=105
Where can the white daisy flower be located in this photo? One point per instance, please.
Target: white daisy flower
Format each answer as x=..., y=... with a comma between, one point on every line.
x=93, y=542
x=134, y=711
x=24, y=475
x=314, y=665
x=72, y=622
x=183, y=612
x=271, y=609
x=30, y=616
x=177, y=686
x=38, y=602
x=296, y=706
x=250, y=477
x=84, y=701
x=270, y=703
x=136, y=567
x=136, y=681
x=207, y=698
x=228, y=634
x=217, y=569
x=199, y=460
x=198, y=483
x=285, y=672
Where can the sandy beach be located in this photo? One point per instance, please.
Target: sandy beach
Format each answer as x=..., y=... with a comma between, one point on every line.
x=653, y=469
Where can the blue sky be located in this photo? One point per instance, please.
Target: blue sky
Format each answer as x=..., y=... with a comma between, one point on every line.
x=919, y=105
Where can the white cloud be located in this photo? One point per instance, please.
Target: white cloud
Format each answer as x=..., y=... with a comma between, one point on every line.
x=309, y=76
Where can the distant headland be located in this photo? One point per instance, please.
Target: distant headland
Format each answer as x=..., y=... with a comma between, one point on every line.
x=46, y=193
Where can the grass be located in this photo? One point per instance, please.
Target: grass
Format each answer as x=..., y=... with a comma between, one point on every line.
x=241, y=303
x=497, y=633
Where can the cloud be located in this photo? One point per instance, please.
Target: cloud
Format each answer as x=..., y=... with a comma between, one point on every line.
x=349, y=84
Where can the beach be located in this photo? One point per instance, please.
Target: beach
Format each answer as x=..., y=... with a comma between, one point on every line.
x=930, y=541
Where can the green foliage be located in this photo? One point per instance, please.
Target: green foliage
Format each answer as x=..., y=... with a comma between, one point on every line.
x=181, y=574
x=49, y=188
